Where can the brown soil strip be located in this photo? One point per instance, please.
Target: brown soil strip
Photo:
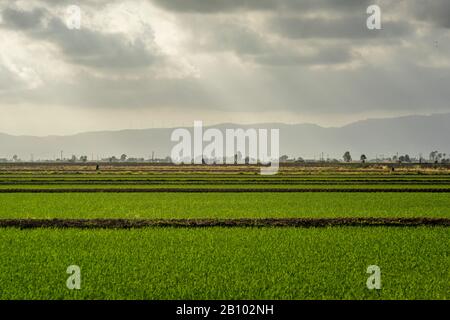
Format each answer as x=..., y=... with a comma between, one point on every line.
x=188, y=223
x=218, y=190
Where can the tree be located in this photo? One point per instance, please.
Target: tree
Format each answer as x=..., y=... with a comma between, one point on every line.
x=123, y=157
x=433, y=155
x=404, y=158
x=83, y=158
x=284, y=158
x=363, y=158
x=347, y=157
x=15, y=157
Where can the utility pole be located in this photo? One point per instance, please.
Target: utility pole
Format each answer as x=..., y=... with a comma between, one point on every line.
x=61, y=156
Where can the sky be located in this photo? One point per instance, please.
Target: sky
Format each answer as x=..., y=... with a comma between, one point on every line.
x=165, y=63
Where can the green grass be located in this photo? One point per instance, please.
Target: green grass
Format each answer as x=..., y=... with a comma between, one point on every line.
x=223, y=205
x=226, y=263
x=215, y=263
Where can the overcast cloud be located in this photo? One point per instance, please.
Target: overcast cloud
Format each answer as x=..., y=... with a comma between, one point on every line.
x=145, y=63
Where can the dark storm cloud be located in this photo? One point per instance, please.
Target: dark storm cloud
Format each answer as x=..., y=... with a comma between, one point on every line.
x=257, y=47
x=436, y=12
x=22, y=20
x=222, y=6
x=84, y=46
x=277, y=41
x=215, y=6
x=96, y=49
x=344, y=27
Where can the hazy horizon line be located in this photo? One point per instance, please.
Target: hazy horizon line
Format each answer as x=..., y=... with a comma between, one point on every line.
x=231, y=123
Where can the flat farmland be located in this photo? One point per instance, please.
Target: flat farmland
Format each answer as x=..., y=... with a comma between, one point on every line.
x=217, y=263
x=183, y=258
x=223, y=205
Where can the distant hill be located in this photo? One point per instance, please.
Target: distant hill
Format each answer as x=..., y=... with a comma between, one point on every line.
x=406, y=135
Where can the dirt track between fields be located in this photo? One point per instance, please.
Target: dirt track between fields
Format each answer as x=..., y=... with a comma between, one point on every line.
x=197, y=223
x=218, y=190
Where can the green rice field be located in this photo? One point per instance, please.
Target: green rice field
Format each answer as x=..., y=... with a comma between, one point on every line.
x=225, y=262
x=223, y=205
x=216, y=263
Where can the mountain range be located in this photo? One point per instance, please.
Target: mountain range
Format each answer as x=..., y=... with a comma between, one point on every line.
x=413, y=135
